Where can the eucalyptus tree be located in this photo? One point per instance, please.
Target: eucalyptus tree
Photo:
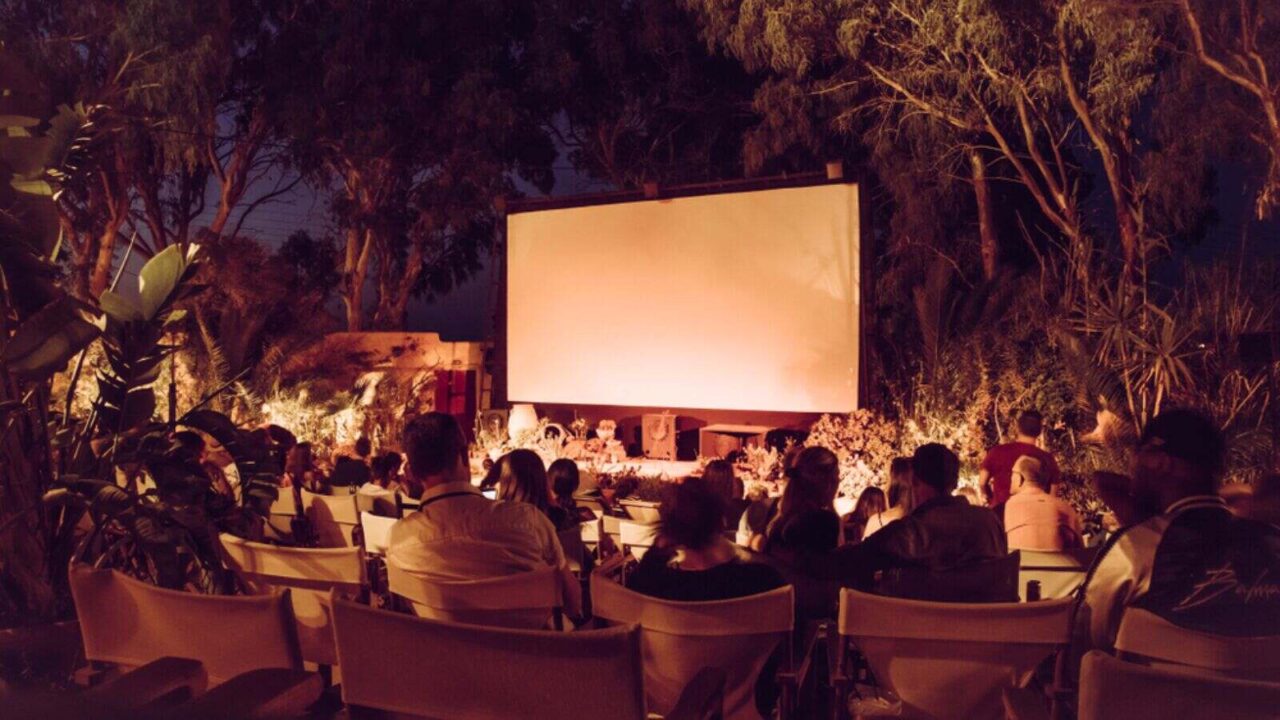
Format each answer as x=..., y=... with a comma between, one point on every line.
x=418, y=115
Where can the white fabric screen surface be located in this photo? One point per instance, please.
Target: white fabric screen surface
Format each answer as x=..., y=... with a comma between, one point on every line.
x=741, y=301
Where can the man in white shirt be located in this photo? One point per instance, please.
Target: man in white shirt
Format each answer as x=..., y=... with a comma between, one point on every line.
x=1191, y=561
x=458, y=534
x=1033, y=518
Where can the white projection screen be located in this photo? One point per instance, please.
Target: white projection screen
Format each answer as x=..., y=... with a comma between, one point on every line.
x=737, y=301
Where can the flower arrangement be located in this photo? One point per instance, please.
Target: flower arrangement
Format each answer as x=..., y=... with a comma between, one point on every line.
x=863, y=441
x=760, y=470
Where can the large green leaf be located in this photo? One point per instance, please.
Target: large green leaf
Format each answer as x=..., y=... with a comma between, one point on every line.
x=120, y=308
x=45, y=341
x=161, y=276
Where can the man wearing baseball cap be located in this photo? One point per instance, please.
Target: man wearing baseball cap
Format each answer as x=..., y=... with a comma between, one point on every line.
x=1191, y=562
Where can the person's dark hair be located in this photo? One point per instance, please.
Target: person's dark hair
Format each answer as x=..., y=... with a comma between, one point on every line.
x=900, y=494
x=385, y=466
x=811, y=482
x=719, y=476
x=1030, y=423
x=434, y=443
x=692, y=514
x=870, y=502
x=564, y=478
x=1189, y=436
x=936, y=466
x=523, y=478
x=364, y=448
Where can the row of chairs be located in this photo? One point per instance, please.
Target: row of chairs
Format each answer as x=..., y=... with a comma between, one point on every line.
x=938, y=660
x=442, y=668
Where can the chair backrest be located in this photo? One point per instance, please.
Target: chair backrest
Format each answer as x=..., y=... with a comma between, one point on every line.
x=1148, y=639
x=439, y=669
x=986, y=581
x=377, y=532
x=379, y=503
x=521, y=600
x=309, y=573
x=679, y=639
x=1059, y=573
x=334, y=518
x=1113, y=688
x=637, y=537
x=951, y=660
x=131, y=623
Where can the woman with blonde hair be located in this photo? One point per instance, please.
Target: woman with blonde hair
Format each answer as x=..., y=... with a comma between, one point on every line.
x=899, y=497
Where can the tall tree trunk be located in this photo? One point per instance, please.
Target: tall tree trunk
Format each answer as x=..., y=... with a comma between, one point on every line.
x=100, y=276
x=988, y=241
x=355, y=270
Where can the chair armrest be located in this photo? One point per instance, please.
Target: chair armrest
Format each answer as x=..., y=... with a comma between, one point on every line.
x=265, y=693
x=702, y=698
x=169, y=680
x=1024, y=704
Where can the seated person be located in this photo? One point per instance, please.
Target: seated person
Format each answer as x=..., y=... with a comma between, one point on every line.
x=805, y=529
x=870, y=504
x=353, y=472
x=564, y=478
x=523, y=478
x=458, y=534
x=899, y=497
x=1034, y=519
x=806, y=521
x=719, y=476
x=693, y=560
x=946, y=549
x=1191, y=562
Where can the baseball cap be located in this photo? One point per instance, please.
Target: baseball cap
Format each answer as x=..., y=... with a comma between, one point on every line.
x=1187, y=435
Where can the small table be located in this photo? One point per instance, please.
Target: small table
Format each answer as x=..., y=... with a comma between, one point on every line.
x=714, y=439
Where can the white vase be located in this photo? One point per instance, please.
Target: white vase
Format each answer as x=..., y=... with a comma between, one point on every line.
x=523, y=419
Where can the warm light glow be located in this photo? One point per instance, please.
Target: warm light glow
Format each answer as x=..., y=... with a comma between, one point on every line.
x=745, y=301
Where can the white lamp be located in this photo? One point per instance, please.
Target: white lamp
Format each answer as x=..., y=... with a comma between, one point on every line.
x=523, y=419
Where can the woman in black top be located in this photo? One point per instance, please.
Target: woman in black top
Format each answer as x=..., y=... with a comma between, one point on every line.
x=523, y=478
x=805, y=529
x=563, y=475
x=694, y=561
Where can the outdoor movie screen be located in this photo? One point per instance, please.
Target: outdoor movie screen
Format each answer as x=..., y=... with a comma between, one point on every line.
x=736, y=301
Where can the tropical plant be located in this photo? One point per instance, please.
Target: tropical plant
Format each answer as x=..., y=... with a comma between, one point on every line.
x=41, y=327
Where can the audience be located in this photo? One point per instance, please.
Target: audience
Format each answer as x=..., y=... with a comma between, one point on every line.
x=694, y=561
x=1192, y=562
x=300, y=471
x=564, y=478
x=719, y=476
x=899, y=497
x=458, y=534
x=523, y=478
x=994, y=473
x=1033, y=518
x=946, y=549
x=871, y=503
